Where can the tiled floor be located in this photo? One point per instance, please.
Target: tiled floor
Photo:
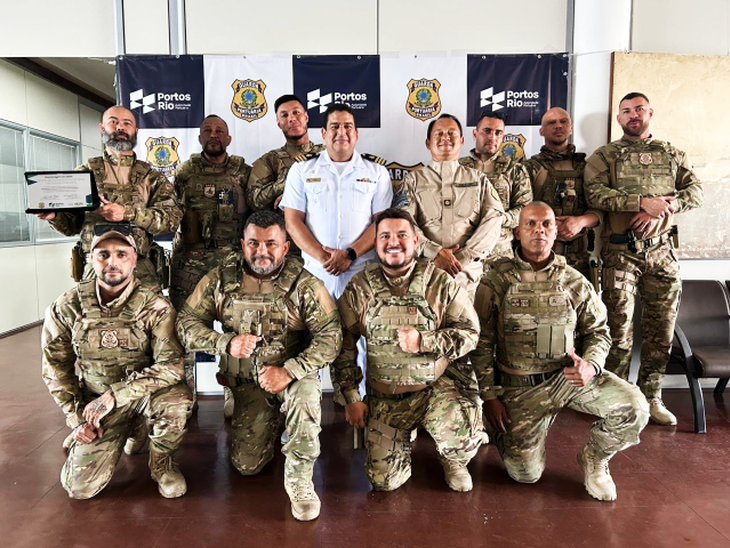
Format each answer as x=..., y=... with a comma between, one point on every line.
x=673, y=490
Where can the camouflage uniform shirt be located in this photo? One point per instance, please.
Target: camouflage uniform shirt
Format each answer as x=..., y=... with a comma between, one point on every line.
x=68, y=333
x=591, y=338
x=311, y=314
x=268, y=174
x=457, y=326
x=511, y=181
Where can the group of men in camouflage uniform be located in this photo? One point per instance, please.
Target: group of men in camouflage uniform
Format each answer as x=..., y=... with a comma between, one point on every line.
x=479, y=295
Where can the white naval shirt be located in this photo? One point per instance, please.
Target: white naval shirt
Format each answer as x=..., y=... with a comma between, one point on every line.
x=338, y=208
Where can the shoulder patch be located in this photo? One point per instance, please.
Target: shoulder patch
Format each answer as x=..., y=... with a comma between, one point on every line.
x=373, y=158
x=306, y=156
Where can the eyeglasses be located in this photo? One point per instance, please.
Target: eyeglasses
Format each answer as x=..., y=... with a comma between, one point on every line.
x=123, y=228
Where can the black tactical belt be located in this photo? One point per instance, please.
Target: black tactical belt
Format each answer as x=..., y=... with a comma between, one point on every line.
x=370, y=391
x=231, y=381
x=629, y=241
x=505, y=379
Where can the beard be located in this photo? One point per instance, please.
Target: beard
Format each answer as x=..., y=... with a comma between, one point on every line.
x=113, y=141
x=407, y=260
x=112, y=282
x=214, y=149
x=635, y=132
x=263, y=270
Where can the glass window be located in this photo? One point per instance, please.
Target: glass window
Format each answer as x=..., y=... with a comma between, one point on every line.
x=48, y=154
x=14, y=226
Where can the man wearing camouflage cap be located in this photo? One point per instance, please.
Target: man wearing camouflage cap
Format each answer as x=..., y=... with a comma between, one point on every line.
x=507, y=176
x=641, y=183
x=415, y=319
x=119, y=335
x=280, y=327
x=210, y=187
x=132, y=193
x=542, y=347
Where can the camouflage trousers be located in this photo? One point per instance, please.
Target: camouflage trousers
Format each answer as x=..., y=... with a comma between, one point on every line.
x=188, y=266
x=89, y=466
x=451, y=419
x=654, y=274
x=256, y=420
x=622, y=411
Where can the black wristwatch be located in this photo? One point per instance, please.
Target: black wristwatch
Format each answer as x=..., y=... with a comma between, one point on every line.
x=351, y=254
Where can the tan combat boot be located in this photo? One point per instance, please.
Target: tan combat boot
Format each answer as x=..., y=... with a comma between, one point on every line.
x=598, y=480
x=457, y=476
x=228, y=403
x=170, y=482
x=137, y=437
x=305, y=504
x=659, y=413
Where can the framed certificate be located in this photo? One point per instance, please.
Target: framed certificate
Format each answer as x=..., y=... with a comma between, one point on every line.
x=61, y=191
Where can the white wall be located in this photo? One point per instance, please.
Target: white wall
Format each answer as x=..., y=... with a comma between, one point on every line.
x=31, y=277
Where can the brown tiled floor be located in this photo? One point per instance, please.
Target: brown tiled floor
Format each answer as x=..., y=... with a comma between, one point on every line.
x=672, y=488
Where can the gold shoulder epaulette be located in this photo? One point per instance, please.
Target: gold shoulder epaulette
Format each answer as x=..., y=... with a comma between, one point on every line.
x=373, y=158
x=306, y=156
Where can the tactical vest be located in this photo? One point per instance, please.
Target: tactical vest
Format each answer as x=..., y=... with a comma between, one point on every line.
x=108, y=349
x=124, y=193
x=539, y=323
x=262, y=314
x=212, y=198
x=560, y=185
x=390, y=369
x=648, y=170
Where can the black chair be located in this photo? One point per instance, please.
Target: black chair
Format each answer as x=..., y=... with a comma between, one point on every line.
x=701, y=345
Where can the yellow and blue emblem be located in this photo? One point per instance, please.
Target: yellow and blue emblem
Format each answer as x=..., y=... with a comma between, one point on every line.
x=423, y=102
x=513, y=146
x=249, y=100
x=162, y=154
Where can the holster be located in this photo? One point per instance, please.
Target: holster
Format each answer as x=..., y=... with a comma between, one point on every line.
x=78, y=261
x=161, y=262
x=594, y=270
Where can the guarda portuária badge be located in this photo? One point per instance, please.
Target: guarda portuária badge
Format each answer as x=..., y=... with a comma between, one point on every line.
x=249, y=101
x=423, y=101
x=162, y=154
x=513, y=146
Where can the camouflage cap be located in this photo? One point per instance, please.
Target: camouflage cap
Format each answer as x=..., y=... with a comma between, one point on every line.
x=113, y=235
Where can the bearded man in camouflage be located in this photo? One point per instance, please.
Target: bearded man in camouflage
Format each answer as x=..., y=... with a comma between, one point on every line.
x=280, y=326
x=641, y=183
x=507, y=176
x=415, y=319
x=120, y=336
x=132, y=194
x=210, y=187
x=542, y=347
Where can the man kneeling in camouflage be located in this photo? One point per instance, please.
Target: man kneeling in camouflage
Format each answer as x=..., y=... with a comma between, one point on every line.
x=120, y=335
x=551, y=338
x=280, y=326
x=415, y=318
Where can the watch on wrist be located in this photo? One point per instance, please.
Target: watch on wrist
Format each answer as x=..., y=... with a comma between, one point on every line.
x=351, y=254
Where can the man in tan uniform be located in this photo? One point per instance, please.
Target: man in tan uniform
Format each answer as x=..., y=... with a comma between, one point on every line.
x=268, y=175
x=457, y=211
x=131, y=193
x=508, y=177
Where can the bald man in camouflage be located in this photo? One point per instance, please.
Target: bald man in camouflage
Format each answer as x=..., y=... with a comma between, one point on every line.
x=543, y=343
